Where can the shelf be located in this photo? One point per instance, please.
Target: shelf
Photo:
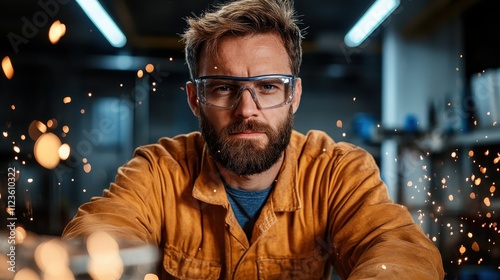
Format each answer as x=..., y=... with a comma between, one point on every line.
x=483, y=136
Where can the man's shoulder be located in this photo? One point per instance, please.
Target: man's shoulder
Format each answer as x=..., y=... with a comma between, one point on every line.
x=317, y=140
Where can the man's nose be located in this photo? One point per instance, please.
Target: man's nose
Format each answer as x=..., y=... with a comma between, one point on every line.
x=246, y=106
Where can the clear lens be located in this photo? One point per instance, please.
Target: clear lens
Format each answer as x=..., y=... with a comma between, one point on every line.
x=269, y=91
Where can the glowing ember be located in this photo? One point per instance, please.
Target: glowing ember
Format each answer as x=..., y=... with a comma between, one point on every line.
x=87, y=168
x=140, y=74
x=64, y=151
x=56, y=31
x=487, y=201
x=7, y=67
x=150, y=68
x=46, y=150
x=475, y=246
x=67, y=100
x=462, y=249
x=17, y=149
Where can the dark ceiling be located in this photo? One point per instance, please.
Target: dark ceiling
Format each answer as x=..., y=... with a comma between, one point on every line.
x=154, y=25
x=152, y=28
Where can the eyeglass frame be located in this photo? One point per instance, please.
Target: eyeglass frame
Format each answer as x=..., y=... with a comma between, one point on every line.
x=287, y=101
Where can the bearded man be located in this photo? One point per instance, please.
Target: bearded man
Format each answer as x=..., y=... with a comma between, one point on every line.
x=249, y=197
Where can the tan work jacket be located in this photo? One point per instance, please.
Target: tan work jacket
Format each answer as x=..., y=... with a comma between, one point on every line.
x=328, y=207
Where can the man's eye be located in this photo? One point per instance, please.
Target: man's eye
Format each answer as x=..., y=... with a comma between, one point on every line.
x=223, y=88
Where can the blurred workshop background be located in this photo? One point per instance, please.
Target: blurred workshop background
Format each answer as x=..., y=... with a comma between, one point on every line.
x=421, y=93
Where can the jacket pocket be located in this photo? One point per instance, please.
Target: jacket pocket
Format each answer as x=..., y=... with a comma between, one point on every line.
x=305, y=268
x=182, y=266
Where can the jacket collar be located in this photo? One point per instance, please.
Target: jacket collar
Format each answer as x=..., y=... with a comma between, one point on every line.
x=208, y=187
x=285, y=197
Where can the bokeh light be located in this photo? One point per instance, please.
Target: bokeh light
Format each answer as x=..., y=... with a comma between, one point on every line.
x=7, y=67
x=56, y=31
x=52, y=254
x=105, y=261
x=26, y=274
x=150, y=68
x=150, y=276
x=46, y=150
x=36, y=128
x=64, y=151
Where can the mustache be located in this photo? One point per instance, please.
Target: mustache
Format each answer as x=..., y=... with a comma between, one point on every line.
x=241, y=126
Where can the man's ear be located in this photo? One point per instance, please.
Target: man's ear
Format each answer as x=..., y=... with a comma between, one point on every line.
x=297, y=95
x=192, y=98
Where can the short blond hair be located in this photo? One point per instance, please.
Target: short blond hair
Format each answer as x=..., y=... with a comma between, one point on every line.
x=240, y=18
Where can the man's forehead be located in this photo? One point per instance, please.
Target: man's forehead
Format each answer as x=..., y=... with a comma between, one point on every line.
x=260, y=52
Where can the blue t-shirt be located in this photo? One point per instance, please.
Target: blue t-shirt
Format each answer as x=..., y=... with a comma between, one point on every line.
x=246, y=206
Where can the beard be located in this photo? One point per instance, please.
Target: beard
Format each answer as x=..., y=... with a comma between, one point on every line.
x=243, y=156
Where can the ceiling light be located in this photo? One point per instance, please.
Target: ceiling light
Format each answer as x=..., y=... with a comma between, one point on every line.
x=375, y=15
x=103, y=22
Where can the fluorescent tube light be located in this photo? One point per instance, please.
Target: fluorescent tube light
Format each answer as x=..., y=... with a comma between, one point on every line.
x=375, y=15
x=103, y=22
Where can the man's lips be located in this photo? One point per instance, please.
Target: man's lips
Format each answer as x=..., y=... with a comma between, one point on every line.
x=246, y=132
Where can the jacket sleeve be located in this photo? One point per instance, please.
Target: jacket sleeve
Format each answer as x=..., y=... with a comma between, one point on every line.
x=373, y=238
x=131, y=209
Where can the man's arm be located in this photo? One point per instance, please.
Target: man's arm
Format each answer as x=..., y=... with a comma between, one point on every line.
x=374, y=238
x=131, y=209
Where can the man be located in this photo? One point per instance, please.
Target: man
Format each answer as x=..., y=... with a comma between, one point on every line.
x=249, y=198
